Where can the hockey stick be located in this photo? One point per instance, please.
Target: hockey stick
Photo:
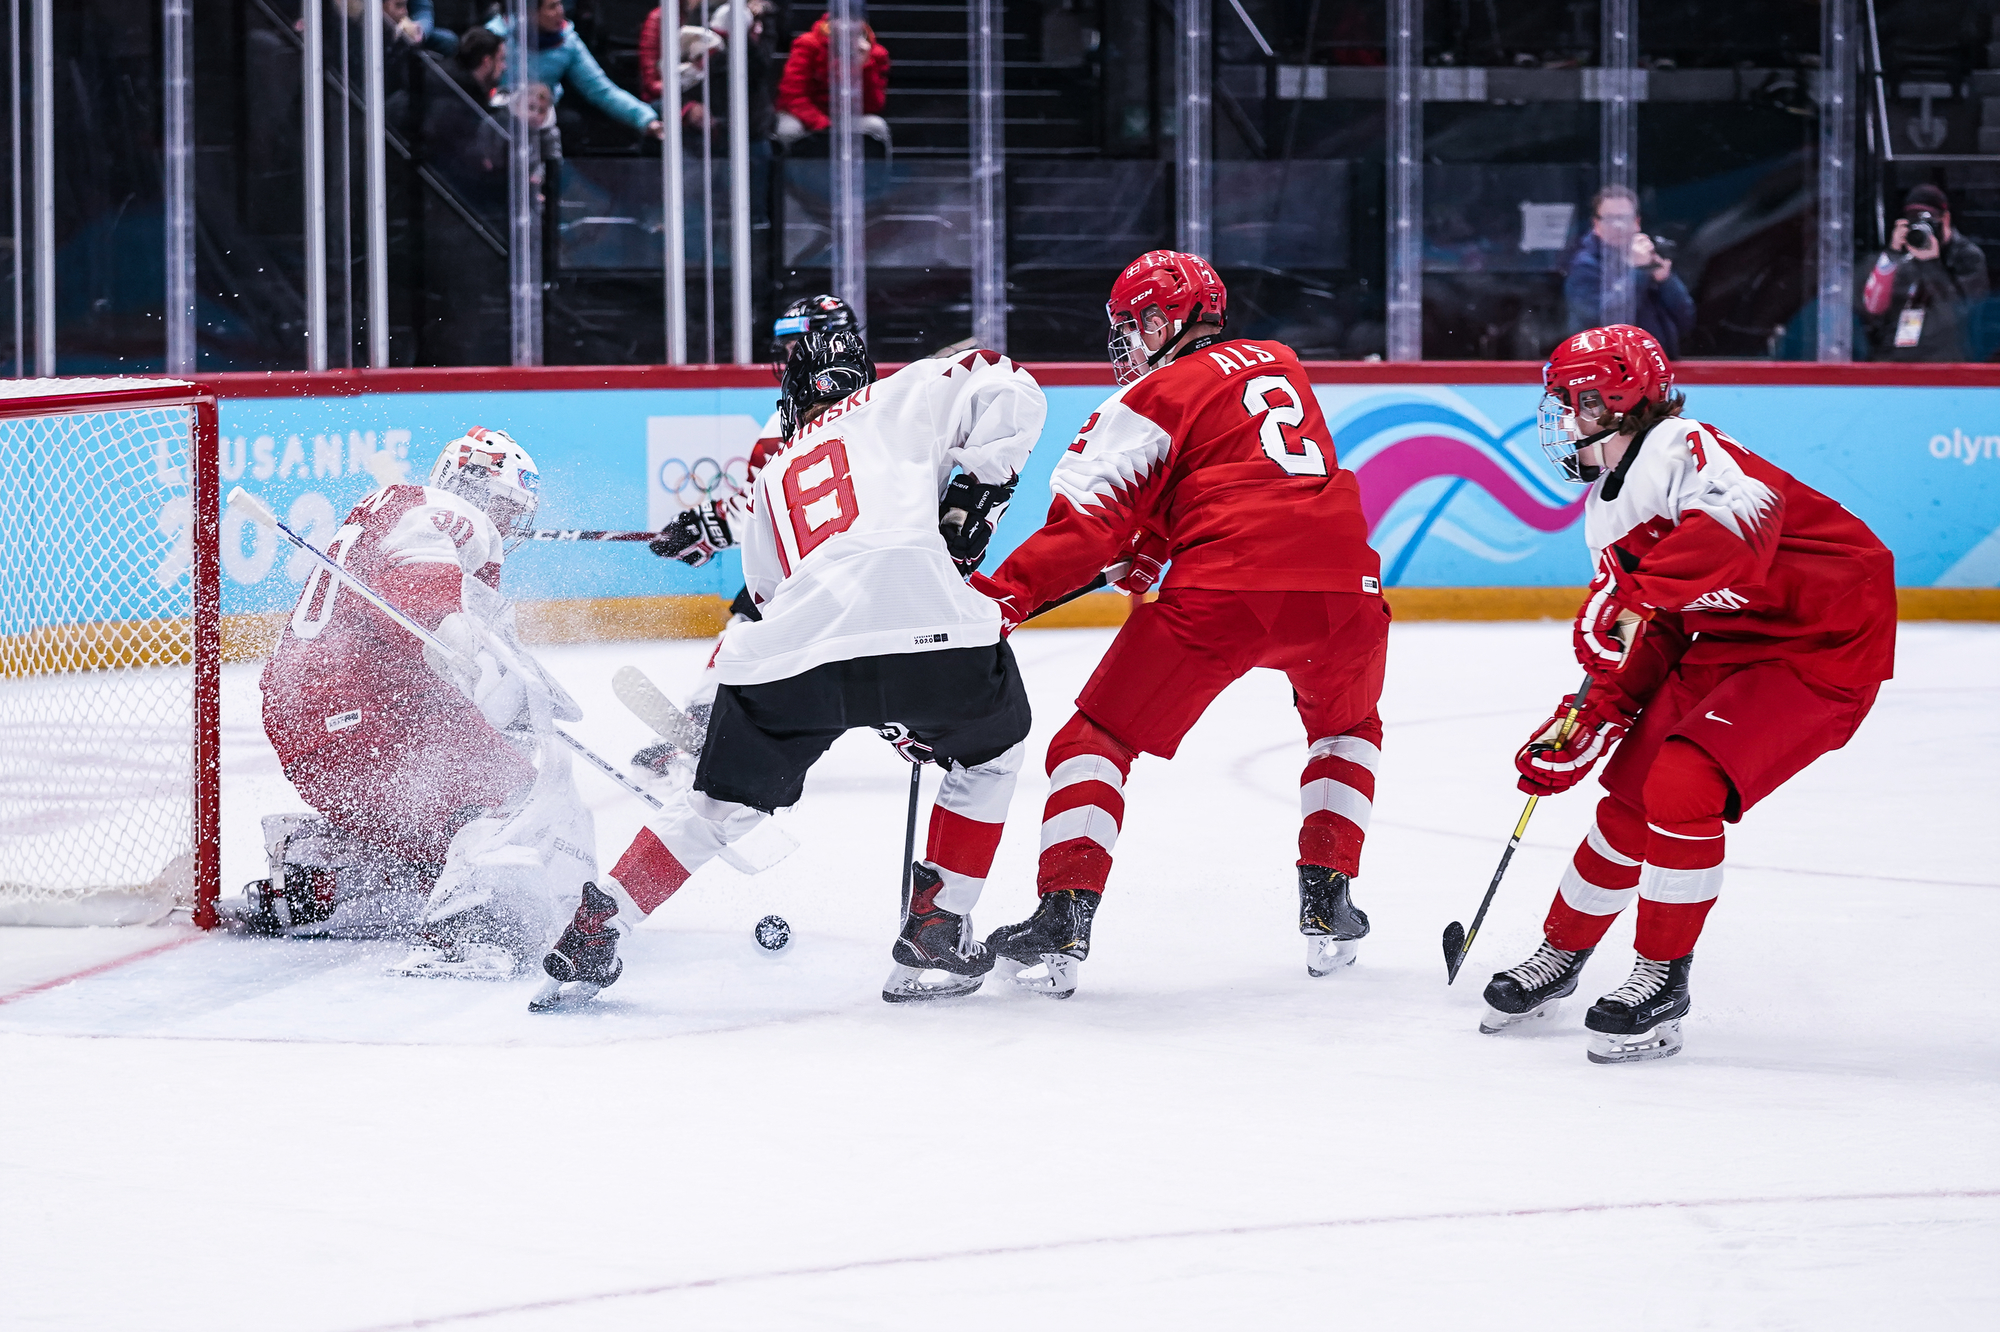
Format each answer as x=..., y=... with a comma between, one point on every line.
x=261, y=514
x=910, y=838
x=1458, y=939
x=1068, y=597
x=555, y=535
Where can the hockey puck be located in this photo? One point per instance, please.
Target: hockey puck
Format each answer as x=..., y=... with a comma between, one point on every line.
x=773, y=934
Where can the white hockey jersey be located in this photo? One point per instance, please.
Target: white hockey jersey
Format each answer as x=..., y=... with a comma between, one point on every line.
x=842, y=552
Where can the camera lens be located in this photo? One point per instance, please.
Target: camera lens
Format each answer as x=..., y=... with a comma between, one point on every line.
x=1921, y=236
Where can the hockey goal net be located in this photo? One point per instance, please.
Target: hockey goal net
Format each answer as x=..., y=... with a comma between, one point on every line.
x=110, y=621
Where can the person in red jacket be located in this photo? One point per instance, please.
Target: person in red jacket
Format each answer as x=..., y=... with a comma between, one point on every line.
x=1213, y=456
x=804, y=93
x=1738, y=627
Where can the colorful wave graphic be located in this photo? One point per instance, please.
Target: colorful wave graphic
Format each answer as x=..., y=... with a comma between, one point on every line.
x=1409, y=462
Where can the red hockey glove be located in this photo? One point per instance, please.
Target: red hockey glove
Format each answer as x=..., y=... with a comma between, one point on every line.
x=1008, y=600
x=1609, y=626
x=1139, y=567
x=694, y=538
x=1560, y=754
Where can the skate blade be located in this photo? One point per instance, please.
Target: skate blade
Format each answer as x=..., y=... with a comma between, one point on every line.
x=1661, y=1042
x=1326, y=954
x=1492, y=1022
x=1058, y=978
x=554, y=995
x=906, y=985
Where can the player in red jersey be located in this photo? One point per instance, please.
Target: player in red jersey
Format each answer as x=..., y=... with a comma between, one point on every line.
x=447, y=814
x=1738, y=627
x=1214, y=456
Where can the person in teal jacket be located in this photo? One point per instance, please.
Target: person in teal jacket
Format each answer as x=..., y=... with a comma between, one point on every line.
x=561, y=57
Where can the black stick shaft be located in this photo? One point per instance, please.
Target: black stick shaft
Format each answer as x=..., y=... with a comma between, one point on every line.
x=910, y=835
x=1064, y=600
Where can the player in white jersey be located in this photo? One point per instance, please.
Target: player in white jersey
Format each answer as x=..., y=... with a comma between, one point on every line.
x=445, y=814
x=700, y=533
x=867, y=621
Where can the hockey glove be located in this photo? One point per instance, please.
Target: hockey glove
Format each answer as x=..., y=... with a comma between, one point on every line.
x=912, y=749
x=1609, y=626
x=966, y=516
x=694, y=538
x=458, y=632
x=1561, y=754
x=1008, y=600
x=1139, y=568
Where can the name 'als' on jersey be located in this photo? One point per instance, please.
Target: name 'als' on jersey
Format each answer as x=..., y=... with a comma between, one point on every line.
x=843, y=554
x=1224, y=454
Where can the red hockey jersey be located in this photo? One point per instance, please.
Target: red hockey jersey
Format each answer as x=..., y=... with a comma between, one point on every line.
x=1746, y=560
x=429, y=553
x=1223, y=454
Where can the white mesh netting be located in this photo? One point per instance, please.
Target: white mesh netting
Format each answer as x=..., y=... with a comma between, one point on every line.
x=97, y=714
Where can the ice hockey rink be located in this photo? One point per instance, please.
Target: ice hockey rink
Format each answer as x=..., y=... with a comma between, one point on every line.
x=217, y=1132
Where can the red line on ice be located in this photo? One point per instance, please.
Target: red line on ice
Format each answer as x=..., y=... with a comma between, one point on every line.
x=99, y=969
x=1275, y=1227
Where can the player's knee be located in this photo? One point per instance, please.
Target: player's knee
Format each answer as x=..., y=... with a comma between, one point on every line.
x=1623, y=825
x=1685, y=785
x=1081, y=736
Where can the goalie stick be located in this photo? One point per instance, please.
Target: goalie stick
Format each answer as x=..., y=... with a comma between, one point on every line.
x=556, y=535
x=1458, y=939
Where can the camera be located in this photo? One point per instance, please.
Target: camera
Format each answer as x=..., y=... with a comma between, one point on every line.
x=1922, y=234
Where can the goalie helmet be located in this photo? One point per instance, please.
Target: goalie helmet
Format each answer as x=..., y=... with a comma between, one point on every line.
x=810, y=314
x=1162, y=291
x=823, y=367
x=1612, y=370
x=489, y=470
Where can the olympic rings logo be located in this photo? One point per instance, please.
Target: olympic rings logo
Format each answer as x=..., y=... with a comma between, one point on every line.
x=702, y=480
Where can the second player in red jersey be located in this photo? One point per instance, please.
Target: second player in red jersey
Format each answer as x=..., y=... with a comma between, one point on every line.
x=1214, y=457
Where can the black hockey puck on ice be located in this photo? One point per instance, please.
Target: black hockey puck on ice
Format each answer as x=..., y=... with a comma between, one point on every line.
x=773, y=934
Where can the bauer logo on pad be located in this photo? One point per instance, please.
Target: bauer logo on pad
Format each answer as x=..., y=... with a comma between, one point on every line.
x=340, y=721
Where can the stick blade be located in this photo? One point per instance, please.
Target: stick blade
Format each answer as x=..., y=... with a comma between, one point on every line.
x=258, y=511
x=645, y=701
x=1454, y=951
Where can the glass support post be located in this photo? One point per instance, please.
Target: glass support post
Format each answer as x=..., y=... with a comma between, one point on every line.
x=849, y=203
x=1617, y=143
x=739, y=183
x=14, y=123
x=375, y=187
x=524, y=251
x=673, y=210
x=1193, y=211
x=707, y=210
x=1405, y=312
x=177, y=159
x=989, y=181
x=1836, y=181
x=313, y=68
x=45, y=188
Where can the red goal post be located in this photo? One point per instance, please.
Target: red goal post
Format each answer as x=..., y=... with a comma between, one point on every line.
x=110, y=651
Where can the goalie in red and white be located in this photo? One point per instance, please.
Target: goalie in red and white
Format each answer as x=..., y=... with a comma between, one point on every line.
x=1214, y=456
x=445, y=814
x=1738, y=627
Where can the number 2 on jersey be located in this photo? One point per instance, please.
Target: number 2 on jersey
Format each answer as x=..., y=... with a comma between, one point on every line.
x=1274, y=399
x=819, y=495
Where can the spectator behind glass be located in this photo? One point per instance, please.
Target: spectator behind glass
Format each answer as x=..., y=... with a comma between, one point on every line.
x=693, y=58
x=412, y=23
x=461, y=139
x=560, y=56
x=702, y=46
x=1920, y=295
x=804, y=93
x=763, y=117
x=1660, y=304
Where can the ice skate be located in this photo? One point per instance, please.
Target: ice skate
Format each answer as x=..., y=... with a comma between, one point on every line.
x=1641, y=1019
x=1535, y=989
x=1332, y=924
x=585, y=959
x=933, y=940
x=442, y=959
x=1056, y=938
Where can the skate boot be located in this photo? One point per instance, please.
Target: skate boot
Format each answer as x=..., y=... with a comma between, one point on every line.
x=585, y=959
x=1056, y=938
x=1535, y=989
x=1332, y=924
x=933, y=939
x=1641, y=1019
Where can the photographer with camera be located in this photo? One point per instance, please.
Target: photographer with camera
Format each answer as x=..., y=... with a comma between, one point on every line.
x=1922, y=290
x=1660, y=303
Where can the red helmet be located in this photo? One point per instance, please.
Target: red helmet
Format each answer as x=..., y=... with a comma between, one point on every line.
x=1161, y=290
x=1624, y=364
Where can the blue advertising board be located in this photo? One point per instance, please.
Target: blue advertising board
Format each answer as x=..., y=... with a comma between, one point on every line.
x=1454, y=483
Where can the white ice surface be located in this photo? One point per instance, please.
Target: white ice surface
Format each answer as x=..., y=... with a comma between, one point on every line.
x=256, y=1134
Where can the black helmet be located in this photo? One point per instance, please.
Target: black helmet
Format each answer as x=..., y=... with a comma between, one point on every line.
x=823, y=367
x=809, y=314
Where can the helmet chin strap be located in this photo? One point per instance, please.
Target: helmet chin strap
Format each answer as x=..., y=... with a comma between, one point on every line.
x=1194, y=317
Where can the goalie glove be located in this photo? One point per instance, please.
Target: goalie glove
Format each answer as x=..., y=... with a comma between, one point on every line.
x=1609, y=626
x=1562, y=752
x=696, y=537
x=966, y=516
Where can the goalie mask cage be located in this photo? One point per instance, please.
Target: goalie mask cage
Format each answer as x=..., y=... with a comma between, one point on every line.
x=110, y=648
